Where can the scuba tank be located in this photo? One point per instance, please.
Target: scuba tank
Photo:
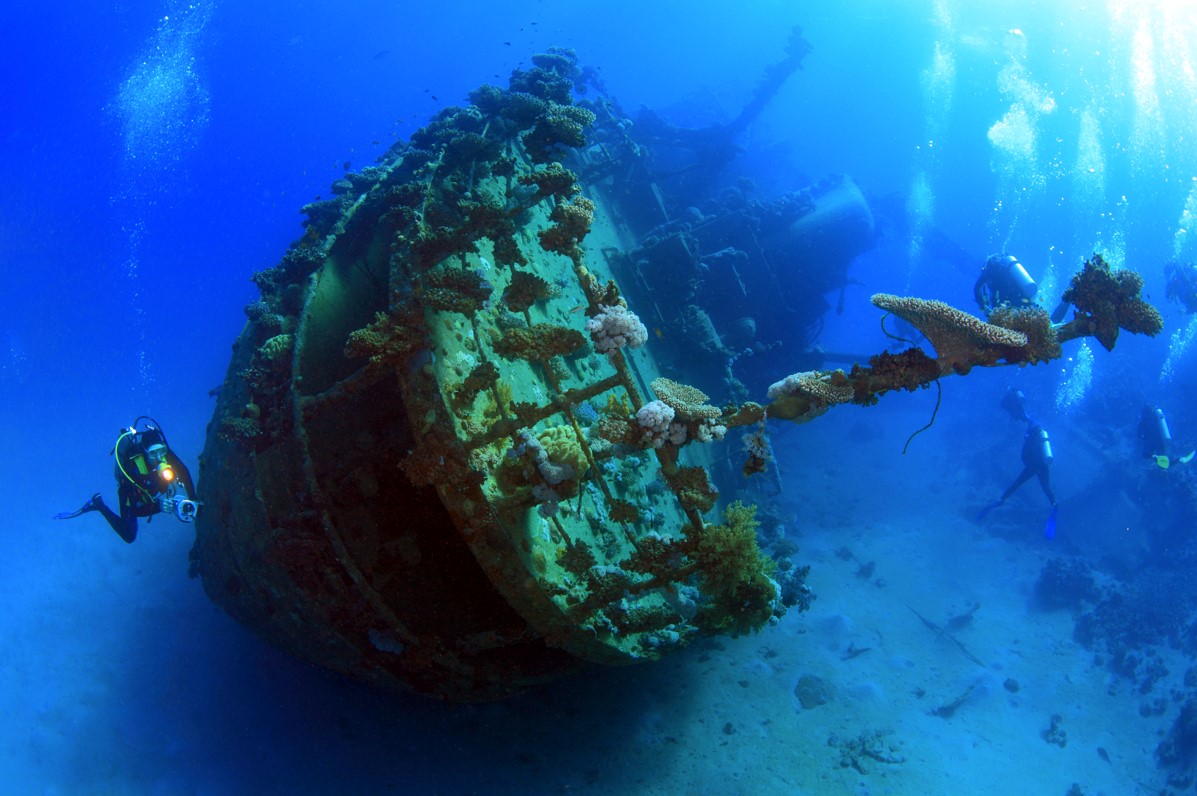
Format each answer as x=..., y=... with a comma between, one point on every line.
x=1157, y=424
x=1015, y=404
x=1017, y=278
x=1037, y=450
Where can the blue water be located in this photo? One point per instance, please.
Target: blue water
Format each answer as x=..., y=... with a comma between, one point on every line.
x=153, y=155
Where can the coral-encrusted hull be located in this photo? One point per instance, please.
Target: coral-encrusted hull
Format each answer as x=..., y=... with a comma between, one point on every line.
x=428, y=464
x=268, y=562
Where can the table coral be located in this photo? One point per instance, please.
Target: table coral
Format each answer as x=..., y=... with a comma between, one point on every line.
x=690, y=403
x=960, y=340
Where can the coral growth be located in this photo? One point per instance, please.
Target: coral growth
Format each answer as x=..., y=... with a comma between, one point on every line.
x=910, y=370
x=482, y=377
x=391, y=339
x=276, y=347
x=239, y=429
x=739, y=593
x=960, y=340
x=616, y=327
x=561, y=445
x=656, y=422
x=525, y=290
x=571, y=223
x=820, y=386
x=454, y=290
x=1107, y=300
x=552, y=77
x=1066, y=583
x=690, y=403
x=538, y=342
x=693, y=489
x=561, y=126
x=1042, y=343
x=700, y=419
x=552, y=180
x=1179, y=747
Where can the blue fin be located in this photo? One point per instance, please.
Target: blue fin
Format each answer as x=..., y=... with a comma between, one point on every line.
x=1049, y=530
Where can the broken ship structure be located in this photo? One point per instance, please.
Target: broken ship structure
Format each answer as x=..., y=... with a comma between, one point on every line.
x=447, y=455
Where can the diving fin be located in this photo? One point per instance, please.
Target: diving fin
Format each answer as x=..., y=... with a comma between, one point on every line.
x=1049, y=530
x=1060, y=312
x=96, y=501
x=983, y=513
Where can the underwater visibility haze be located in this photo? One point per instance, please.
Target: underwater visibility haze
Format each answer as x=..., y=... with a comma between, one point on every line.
x=647, y=399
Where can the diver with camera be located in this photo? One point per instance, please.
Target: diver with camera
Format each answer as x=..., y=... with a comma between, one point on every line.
x=150, y=479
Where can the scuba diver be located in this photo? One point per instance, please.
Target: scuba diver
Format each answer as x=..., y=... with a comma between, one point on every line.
x=150, y=479
x=1004, y=281
x=1036, y=459
x=1154, y=435
x=1155, y=438
x=1181, y=284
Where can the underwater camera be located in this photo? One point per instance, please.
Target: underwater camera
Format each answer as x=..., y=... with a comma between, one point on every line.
x=183, y=509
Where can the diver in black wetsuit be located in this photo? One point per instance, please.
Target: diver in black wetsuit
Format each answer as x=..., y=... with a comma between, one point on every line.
x=1154, y=435
x=1181, y=284
x=150, y=479
x=1004, y=281
x=1036, y=458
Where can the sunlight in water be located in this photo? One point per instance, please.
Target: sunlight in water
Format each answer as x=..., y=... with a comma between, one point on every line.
x=1178, y=346
x=163, y=104
x=1014, y=138
x=1072, y=390
x=1089, y=173
x=920, y=209
x=939, y=83
x=1180, y=239
x=1147, y=135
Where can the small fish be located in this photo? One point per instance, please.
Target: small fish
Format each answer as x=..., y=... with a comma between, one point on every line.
x=1103, y=754
x=435, y=98
x=507, y=43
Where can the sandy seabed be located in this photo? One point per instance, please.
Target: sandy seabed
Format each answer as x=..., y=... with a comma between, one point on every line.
x=119, y=677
